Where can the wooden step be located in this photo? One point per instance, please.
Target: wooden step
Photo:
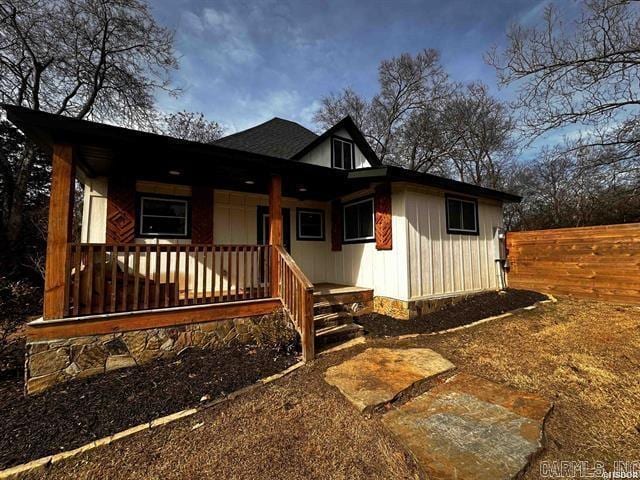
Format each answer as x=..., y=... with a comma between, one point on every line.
x=324, y=307
x=332, y=319
x=339, y=333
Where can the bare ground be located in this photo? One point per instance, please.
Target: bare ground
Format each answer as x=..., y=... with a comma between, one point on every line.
x=582, y=355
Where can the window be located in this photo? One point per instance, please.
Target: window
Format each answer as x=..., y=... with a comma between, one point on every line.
x=358, y=221
x=342, y=154
x=310, y=224
x=462, y=215
x=164, y=217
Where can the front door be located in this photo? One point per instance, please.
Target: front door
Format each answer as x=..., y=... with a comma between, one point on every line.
x=263, y=227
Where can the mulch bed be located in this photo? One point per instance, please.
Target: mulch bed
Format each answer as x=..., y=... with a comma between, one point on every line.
x=471, y=309
x=73, y=414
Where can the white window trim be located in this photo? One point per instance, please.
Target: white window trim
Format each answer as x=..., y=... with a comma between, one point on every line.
x=158, y=234
x=320, y=213
x=475, y=216
x=344, y=221
x=353, y=152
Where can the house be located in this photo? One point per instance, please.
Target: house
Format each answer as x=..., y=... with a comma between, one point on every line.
x=185, y=244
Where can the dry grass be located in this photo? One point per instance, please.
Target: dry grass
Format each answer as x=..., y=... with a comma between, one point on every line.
x=582, y=355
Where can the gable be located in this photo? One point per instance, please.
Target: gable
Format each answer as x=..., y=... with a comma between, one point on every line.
x=321, y=154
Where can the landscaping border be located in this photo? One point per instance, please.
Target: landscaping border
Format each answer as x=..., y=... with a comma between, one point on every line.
x=17, y=471
x=550, y=299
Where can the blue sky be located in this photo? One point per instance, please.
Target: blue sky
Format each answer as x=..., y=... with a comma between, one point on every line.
x=242, y=62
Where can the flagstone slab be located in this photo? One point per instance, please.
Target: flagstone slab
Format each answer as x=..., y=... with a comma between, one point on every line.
x=378, y=375
x=469, y=428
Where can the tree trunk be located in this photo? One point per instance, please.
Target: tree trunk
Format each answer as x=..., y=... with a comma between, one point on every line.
x=15, y=214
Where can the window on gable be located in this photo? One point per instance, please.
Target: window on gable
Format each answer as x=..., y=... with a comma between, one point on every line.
x=343, y=154
x=358, y=221
x=164, y=217
x=310, y=224
x=462, y=215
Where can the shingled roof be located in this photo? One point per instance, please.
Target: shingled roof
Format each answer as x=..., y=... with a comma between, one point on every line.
x=277, y=138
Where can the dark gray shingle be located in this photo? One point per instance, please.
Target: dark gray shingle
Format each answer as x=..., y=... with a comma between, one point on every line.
x=276, y=137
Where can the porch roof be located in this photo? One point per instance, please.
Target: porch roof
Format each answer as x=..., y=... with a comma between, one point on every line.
x=107, y=150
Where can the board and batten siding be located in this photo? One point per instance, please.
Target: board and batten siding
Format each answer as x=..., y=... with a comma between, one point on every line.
x=361, y=264
x=321, y=155
x=94, y=210
x=442, y=264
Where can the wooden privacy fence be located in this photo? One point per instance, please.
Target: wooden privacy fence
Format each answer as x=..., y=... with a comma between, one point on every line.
x=108, y=278
x=600, y=262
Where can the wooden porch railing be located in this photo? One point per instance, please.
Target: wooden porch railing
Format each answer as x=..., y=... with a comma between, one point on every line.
x=296, y=292
x=105, y=278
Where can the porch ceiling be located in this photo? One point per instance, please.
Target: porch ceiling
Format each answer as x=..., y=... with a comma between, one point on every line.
x=106, y=150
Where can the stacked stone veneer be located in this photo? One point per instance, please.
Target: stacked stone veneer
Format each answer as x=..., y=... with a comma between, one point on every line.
x=405, y=310
x=55, y=361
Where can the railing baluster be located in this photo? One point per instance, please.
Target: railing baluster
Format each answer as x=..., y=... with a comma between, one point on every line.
x=229, y=273
x=167, y=275
x=237, y=290
x=125, y=279
x=176, y=278
x=195, y=274
x=114, y=278
x=205, y=256
x=147, y=275
x=213, y=273
x=89, y=283
x=102, y=279
x=136, y=277
x=220, y=291
x=156, y=278
x=187, y=261
x=67, y=275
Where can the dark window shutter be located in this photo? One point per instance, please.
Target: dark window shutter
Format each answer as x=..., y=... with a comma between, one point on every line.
x=202, y=214
x=336, y=226
x=121, y=211
x=382, y=203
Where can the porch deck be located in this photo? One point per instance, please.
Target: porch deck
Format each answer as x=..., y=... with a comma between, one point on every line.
x=320, y=289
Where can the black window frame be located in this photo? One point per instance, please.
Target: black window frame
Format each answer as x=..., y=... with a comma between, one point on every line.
x=353, y=153
x=373, y=221
x=299, y=236
x=461, y=231
x=141, y=196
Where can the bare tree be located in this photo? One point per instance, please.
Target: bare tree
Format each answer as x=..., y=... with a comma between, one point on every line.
x=410, y=87
x=583, y=72
x=192, y=126
x=101, y=59
x=483, y=129
x=422, y=121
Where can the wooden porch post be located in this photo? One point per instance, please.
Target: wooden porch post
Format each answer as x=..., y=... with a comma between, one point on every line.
x=59, y=231
x=275, y=230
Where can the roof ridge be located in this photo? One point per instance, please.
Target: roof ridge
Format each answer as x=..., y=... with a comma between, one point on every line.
x=262, y=124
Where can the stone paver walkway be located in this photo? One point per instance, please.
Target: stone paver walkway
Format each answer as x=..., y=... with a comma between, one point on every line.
x=378, y=375
x=469, y=428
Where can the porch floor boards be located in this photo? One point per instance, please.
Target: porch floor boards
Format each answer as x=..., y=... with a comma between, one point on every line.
x=334, y=288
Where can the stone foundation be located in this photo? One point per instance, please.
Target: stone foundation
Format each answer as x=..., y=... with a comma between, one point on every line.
x=406, y=310
x=56, y=361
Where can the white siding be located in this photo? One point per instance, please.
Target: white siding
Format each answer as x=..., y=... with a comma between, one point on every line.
x=442, y=264
x=321, y=155
x=94, y=210
x=385, y=271
x=235, y=221
x=425, y=261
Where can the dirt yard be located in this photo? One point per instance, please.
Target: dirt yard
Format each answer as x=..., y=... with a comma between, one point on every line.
x=584, y=356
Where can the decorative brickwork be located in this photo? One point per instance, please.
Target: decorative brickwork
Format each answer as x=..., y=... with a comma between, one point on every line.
x=121, y=211
x=382, y=201
x=202, y=215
